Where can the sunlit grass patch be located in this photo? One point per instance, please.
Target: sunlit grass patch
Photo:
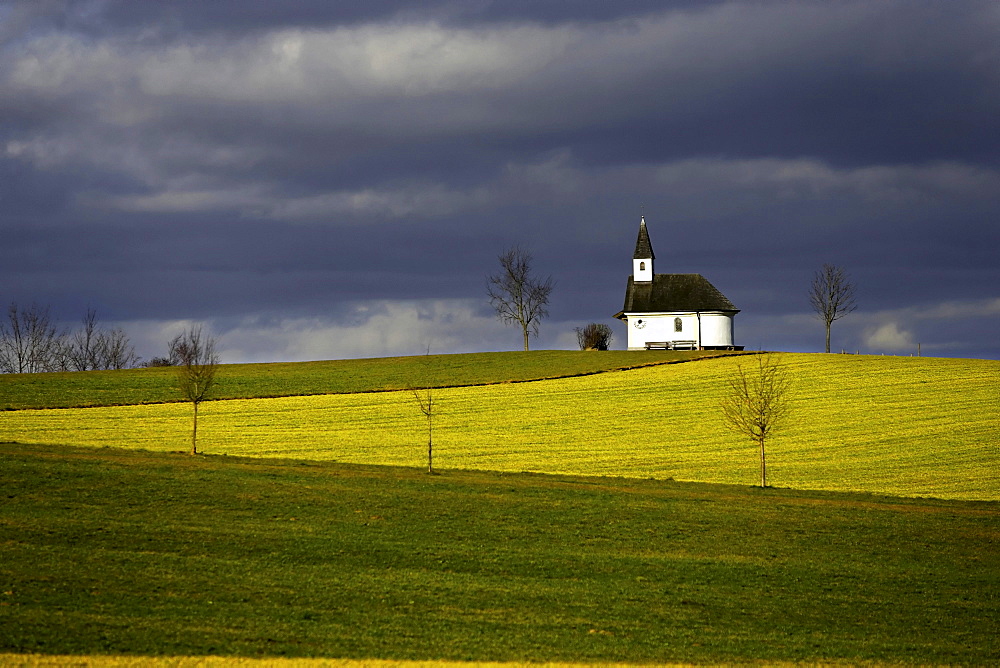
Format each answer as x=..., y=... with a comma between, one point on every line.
x=910, y=426
x=106, y=661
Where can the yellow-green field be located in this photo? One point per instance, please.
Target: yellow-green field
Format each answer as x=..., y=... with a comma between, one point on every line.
x=892, y=425
x=58, y=661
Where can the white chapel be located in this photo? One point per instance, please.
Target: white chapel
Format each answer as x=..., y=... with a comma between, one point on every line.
x=674, y=311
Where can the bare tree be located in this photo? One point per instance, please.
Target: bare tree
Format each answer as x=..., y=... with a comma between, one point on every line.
x=91, y=347
x=81, y=349
x=175, y=350
x=117, y=351
x=595, y=336
x=172, y=358
x=197, y=364
x=831, y=296
x=756, y=402
x=516, y=295
x=29, y=341
x=426, y=403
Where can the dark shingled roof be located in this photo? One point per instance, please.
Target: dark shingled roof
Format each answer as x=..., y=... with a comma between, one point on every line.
x=674, y=292
x=643, y=249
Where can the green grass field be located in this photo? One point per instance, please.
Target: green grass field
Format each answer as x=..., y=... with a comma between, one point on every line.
x=242, y=381
x=309, y=530
x=116, y=551
x=890, y=425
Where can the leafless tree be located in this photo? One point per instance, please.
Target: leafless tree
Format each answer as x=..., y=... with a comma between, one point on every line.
x=91, y=347
x=175, y=350
x=29, y=341
x=426, y=402
x=117, y=351
x=197, y=364
x=831, y=296
x=516, y=295
x=82, y=348
x=172, y=358
x=425, y=399
x=595, y=336
x=756, y=402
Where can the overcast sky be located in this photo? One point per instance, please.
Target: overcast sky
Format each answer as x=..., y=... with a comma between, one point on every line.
x=317, y=180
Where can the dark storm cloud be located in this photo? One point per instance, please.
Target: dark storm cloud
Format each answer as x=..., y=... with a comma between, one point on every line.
x=239, y=16
x=250, y=164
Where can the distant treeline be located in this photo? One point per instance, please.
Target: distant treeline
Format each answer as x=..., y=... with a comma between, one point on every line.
x=30, y=342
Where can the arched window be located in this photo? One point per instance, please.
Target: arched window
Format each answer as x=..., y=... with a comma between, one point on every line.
x=642, y=266
x=678, y=325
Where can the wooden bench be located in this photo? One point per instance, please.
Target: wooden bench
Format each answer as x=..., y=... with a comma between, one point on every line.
x=671, y=345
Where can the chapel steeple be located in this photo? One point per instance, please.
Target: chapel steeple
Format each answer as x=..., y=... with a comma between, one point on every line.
x=642, y=259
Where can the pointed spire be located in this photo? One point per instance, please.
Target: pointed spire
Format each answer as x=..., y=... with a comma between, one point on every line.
x=643, y=249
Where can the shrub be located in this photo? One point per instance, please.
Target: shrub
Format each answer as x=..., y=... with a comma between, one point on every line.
x=595, y=336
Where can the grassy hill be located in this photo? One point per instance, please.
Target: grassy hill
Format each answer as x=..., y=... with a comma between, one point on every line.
x=116, y=551
x=245, y=381
x=908, y=426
